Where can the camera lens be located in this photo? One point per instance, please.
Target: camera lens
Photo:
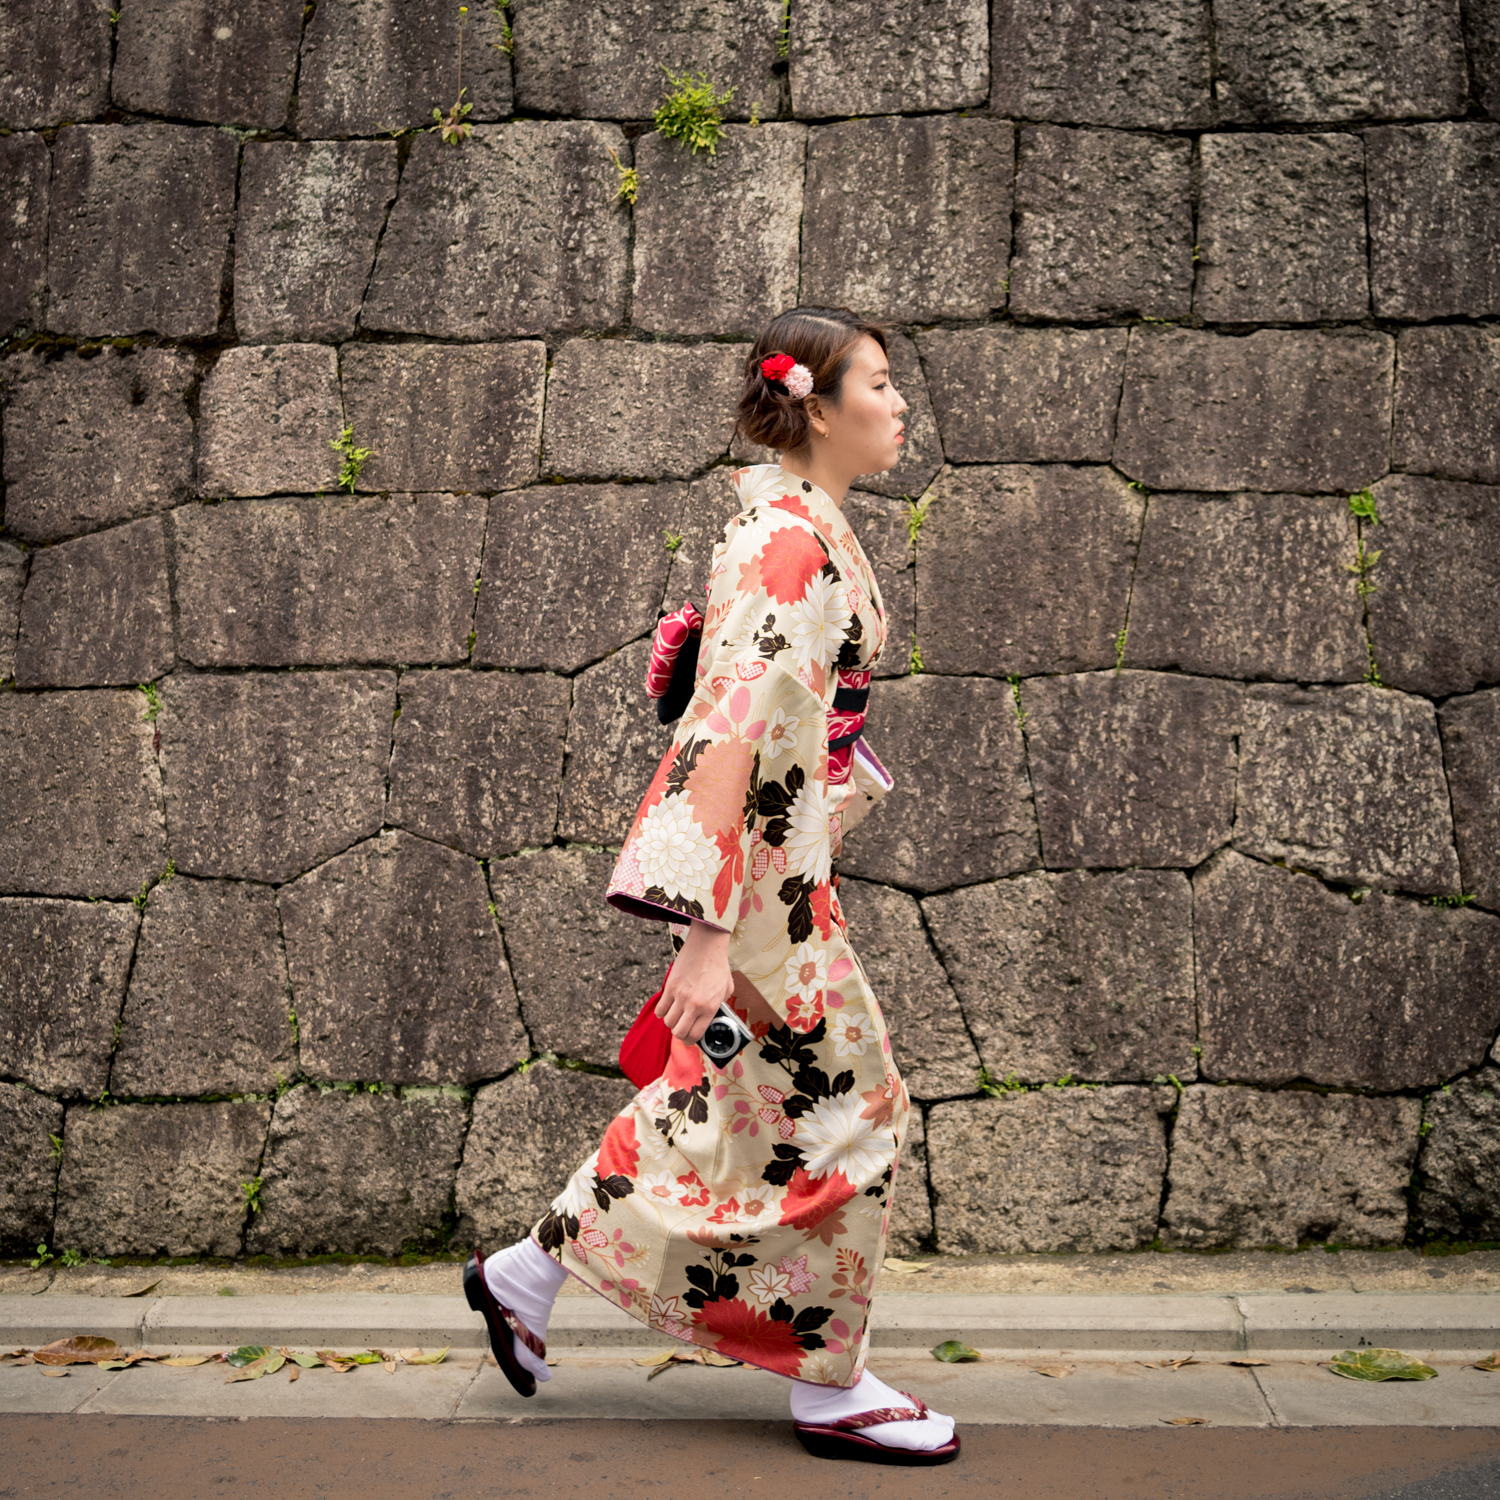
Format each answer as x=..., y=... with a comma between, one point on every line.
x=720, y=1039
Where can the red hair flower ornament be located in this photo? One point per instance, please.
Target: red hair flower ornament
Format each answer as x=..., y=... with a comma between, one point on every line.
x=796, y=378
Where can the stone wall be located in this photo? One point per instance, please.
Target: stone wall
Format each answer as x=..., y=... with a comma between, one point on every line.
x=1195, y=850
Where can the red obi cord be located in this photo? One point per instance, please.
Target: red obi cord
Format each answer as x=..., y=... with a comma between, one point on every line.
x=673, y=632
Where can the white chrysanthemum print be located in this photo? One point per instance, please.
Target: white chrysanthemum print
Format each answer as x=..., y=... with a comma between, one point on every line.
x=673, y=852
x=852, y=1033
x=767, y=1284
x=579, y=1193
x=807, y=842
x=807, y=971
x=781, y=734
x=818, y=623
x=659, y=1187
x=835, y=1138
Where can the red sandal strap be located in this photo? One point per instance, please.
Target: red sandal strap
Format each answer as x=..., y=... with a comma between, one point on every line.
x=522, y=1332
x=913, y=1413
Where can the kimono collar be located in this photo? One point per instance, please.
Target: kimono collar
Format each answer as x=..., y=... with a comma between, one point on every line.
x=770, y=484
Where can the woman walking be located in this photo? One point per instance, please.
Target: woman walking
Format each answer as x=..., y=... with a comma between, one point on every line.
x=743, y=1205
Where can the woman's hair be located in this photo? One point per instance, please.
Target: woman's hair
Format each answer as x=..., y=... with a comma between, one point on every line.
x=821, y=338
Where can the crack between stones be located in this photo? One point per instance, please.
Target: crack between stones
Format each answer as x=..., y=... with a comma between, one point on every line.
x=510, y=973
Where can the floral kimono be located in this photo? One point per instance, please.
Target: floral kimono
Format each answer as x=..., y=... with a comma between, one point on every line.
x=746, y=1209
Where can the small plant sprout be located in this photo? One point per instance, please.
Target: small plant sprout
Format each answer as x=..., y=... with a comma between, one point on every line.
x=354, y=458
x=1138, y=487
x=1362, y=507
x=251, y=1190
x=143, y=895
x=755, y=114
x=1015, y=693
x=71, y=1258
x=916, y=660
x=998, y=1088
x=916, y=513
x=1466, y=899
x=57, y=1147
x=784, y=35
x=690, y=111
x=454, y=127
x=507, y=42
x=630, y=179
x=43, y=1255
x=153, y=701
x=1121, y=636
x=1362, y=566
x=673, y=541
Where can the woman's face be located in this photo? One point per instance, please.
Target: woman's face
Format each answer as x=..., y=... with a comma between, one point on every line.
x=865, y=430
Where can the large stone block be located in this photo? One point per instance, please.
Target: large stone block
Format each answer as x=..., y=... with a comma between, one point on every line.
x=268, y=414
x=1252, y=1169
x=440, y=417
x=1023, y=570
x=861, y=57
x=397, y=970
x=95, y=438
x=930, y=1042
x=1131, y=768
x=1431, y=615
x=1281, y=229
x=25, y=183
x=1471, y=754
x=1056, y=1169
x=1104, y=225
x=614, y=745
x=1011, y=394
x=369, y=67
x=1081, y=974
x=606, y=60
x=582, y=969
x=1447, y=400
x=1348, y=783
x=478, y=759
x=909, y=219
x=29, y=1123
x=310, y=215
x=706, y=513
x=1434, y=220
x=97, y=611
x=1280, y=409
x=189, y=60
x=1298, y=982
x=1248, y=586
x=56, y=62
x=573, y=572
x=883, y=528
x=1295, y=60
x=12, y=581
x=158, y=1179
x=1134, y=63
x=516, y=232
x=716, y=235
x=1459, y=1167
x=81, y=793
x=617, y=409
x=531, y=1131
x=922, y=449
x=63, y=966
x=269, y=774
x=949, y=820
x=276, y=583
x=357, y=1172
x=910, y=1226
x=207, y=1011
x=138, y=234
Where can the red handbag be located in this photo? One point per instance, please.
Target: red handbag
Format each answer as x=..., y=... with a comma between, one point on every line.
x=648, y=1043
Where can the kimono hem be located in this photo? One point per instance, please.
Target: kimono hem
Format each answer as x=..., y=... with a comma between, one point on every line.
x=746, y=1210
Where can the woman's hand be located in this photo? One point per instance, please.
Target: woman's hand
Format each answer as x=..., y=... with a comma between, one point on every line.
x=698, y=983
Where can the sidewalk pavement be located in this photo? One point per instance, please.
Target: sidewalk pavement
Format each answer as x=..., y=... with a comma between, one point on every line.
x=1258, y=1355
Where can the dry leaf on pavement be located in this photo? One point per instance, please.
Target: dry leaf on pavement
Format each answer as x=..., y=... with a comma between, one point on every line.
x=1247, y=1361
x=417, y=1357
x=1186, y=1421
x=895, y=1263
x=84, y=1349
x=1175, y=1364
x=292, y=1372
x=56, y=1374
x=186, y=1359
x=1380, y=1364
x=1056, y=1372
x=1492, y=1363
x=267, y=1364
x=149, y=1287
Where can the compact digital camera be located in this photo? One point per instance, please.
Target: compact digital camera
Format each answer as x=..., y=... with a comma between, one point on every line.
x=727, y=1036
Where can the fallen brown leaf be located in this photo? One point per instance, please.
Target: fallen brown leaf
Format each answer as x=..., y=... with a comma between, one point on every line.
x=84, y=1349
x=1247, y=1361
x=1492, y=1363
x=670, y=1357
x=16, y=1356
x=55, y=1374
x=417, y=1357
x=149, y=1287
x=1174, y=1364
x=1055, y=1372
x=292, y=1372
x=187, y=1359
x=1186, y=1421
x=340, y=1364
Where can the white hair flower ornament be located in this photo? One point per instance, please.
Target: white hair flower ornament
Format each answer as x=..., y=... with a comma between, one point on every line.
x=796, y=378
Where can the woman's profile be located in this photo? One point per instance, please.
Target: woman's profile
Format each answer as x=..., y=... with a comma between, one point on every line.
x=742, y=1204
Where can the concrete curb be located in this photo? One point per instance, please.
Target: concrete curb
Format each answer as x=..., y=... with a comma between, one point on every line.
x=1290, y=1325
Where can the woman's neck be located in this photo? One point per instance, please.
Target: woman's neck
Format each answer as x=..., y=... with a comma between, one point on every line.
x=805, y=465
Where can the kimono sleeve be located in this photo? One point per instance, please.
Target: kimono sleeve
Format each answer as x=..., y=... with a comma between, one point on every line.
x=749, y=762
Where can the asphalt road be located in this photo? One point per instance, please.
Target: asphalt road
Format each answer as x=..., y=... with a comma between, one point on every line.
x=164, y=1458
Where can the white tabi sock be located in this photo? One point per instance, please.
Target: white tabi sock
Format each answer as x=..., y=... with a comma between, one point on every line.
x=827, y=1403
x=525, y=1279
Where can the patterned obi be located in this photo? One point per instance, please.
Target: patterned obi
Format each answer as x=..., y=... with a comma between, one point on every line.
x=846, y=722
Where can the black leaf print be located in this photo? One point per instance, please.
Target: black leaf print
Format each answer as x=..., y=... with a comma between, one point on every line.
x=810, y=1318
x=727, y=1288
x=814, y=1081
x=697, y=1111
x=843, y=1083
x=683, y=763
x=849, y=652
x=781, y=1312
x=797, y=894
x=550, y=1232
x=781, y=1171
x=613, y=1187
x=700, y=1277
x=656, y=895
x=813, y=1341
x=739, y=1260
x=796, y=1105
